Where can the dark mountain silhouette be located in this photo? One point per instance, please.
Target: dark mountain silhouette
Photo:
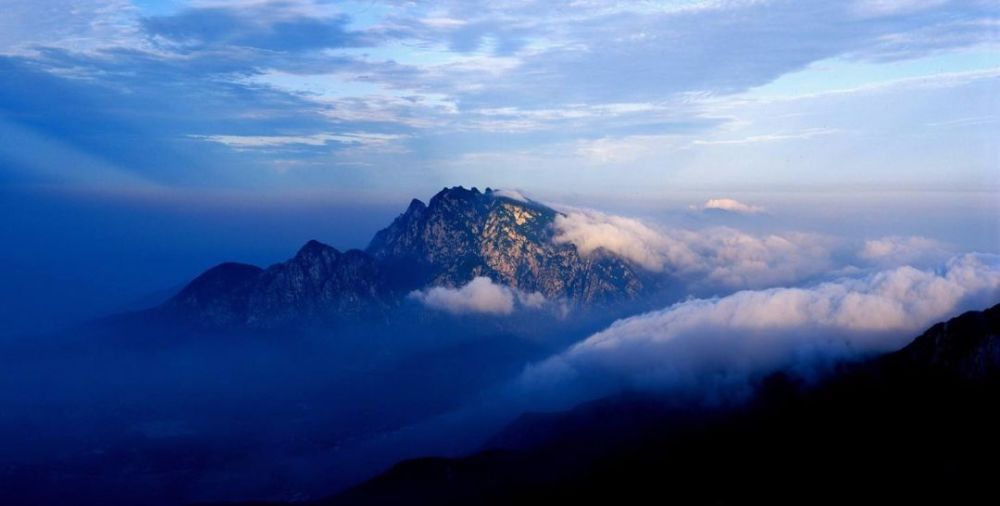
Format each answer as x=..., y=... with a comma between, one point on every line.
x=967, y=347
x=459, y=235
x=319, y=284
x=918, y=425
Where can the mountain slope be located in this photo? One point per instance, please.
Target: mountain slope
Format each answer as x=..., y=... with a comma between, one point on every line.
x=966, y=347
x=461, y=234
x=917, y=425
x=319, y=284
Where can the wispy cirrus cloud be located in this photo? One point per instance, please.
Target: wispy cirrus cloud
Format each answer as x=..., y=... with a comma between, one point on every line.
x=271, y=141
x=83, y=25
x=461, y=78
x=754, y=139
x=270, y=26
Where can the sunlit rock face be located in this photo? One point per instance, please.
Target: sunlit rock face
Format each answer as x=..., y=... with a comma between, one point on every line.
x=459, y=235
x=463, y=233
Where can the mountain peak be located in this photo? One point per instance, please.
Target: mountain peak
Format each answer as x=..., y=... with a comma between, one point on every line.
x=415, y=206
x=314, y=248
x=219, y=279
x=456, y=194
x=463, y=233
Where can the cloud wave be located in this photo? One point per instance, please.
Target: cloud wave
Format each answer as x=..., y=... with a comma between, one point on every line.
x=717, y=346
x=719, y=256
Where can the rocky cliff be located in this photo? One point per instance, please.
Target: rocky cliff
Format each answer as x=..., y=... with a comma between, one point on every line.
x=463, y=233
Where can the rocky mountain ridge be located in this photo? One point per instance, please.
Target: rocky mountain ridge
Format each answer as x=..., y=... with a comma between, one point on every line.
x=459, y=235
x=463, y=233
x=320, y=284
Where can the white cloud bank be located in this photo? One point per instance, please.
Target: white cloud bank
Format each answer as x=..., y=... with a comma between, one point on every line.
x=479, y=296
x=717, y=256
x=591, y=231
x=912, y=250
x=717, y=345
x=730, y=205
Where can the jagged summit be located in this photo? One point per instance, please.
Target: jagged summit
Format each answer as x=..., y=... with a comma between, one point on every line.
x=458, y=235
x=463, y=233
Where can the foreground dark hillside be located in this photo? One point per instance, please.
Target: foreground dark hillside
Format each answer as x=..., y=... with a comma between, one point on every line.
x=919, y=425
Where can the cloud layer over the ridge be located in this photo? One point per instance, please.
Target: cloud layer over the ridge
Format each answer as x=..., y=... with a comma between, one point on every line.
x=628, y=238
x=479, y=296
x=718, y=345
x=715, y=256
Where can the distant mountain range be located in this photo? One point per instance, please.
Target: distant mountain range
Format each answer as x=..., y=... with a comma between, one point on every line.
x=459, y=235
x=915, y=426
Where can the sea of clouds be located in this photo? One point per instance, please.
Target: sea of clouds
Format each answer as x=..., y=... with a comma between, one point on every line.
x=717, y=347
x=794, y=301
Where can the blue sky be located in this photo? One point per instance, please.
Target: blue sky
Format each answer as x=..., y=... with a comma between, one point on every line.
x=174, y=134
x=386, y=97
